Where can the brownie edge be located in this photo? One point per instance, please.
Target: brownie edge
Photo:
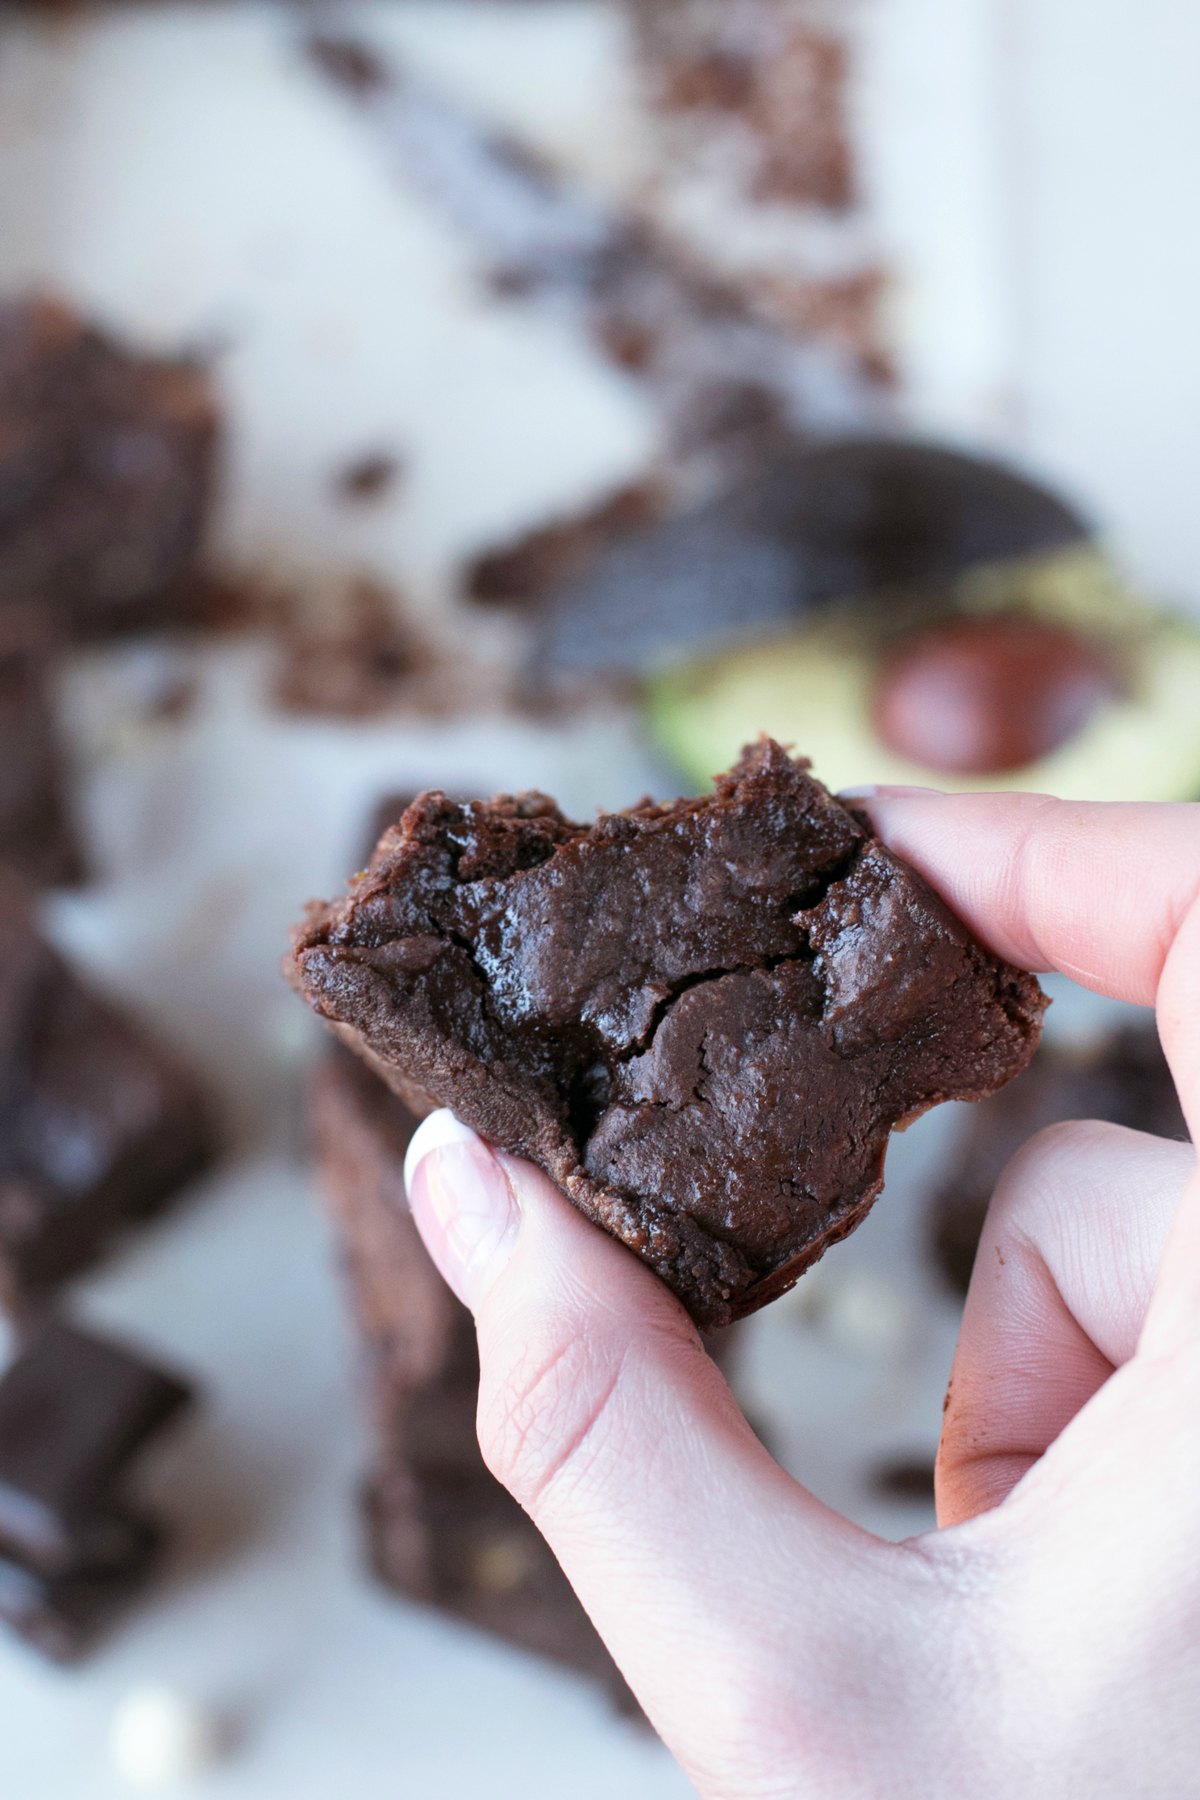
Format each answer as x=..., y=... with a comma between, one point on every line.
x=702, y=1019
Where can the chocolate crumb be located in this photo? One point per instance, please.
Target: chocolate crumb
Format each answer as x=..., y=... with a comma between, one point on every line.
x=369, y=476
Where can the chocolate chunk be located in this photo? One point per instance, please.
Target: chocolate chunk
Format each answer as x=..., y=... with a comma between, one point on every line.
x=37, y=833
x=350, y=64
x=701, y=1019
x=351, y=655
x=808, y=526
x=1123, y=1079
x=99, y=1127
x=440, y=1528
x=61, y=1615
x=106, y=471
x=74, y=1411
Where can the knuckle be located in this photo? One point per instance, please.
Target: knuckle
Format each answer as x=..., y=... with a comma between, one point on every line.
x=545, y=1412
x=1056, y=1150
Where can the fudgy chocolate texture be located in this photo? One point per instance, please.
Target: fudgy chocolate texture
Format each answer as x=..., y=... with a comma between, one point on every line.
x=440, y=1528
x=1123, y=1079
x=99, y=1126
x=106, y=469
x=701, y=1019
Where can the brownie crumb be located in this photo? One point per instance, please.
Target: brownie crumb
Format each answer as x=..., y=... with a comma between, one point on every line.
x=701, y=1019
x=369, y=476
x=523, y=572
x=348, y=653
x=350, y=64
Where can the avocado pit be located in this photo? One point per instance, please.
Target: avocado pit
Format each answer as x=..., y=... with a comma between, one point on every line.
x=979, y=696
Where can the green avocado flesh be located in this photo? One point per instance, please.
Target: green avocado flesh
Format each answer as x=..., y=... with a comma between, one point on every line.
x=813, y=688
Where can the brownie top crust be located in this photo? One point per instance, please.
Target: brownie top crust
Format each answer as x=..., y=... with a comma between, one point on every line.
x=702, y=1019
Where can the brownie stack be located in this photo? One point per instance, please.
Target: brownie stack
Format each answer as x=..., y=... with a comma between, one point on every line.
x=440, y=1528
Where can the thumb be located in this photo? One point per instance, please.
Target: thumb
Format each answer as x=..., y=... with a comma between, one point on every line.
x=600, y=1411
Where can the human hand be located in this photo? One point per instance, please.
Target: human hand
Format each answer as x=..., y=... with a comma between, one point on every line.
x=1045, y=1641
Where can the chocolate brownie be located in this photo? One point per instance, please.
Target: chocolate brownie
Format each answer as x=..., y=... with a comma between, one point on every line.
x=440, y=1528
x=106, y=471
x=37, y=834
x=99, y=1126
x=75, y=1411
x=1123, y=1079
x=702, y=1019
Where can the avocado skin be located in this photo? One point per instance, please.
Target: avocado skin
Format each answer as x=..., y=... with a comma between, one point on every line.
x=814, y=523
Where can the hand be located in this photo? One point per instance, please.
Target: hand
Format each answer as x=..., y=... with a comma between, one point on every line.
x=1046, y=1640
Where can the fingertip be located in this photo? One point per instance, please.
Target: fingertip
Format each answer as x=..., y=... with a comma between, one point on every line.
x=436, y=1132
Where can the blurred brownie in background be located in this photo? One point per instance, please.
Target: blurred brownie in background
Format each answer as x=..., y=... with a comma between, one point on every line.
x=1123, y=1079
x=106, y=472
x=99, y=1125
x=440, y=1528
x=37, y=833
x=76, y=1412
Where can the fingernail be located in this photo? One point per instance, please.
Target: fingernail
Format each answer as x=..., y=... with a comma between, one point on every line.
x=463, y=1205
x=884, y=793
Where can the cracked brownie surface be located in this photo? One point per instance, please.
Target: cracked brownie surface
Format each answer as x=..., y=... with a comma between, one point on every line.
x=701, y=1019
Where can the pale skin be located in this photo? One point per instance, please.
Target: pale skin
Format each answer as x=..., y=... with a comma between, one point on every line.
x=1045, y=1640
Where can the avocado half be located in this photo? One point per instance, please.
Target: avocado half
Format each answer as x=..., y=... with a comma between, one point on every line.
x=813, y=688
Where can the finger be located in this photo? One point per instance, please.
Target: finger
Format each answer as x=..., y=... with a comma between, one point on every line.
x=601, y=1412
x=1096, y=891
x=1066, y=1266
x=1106, y=893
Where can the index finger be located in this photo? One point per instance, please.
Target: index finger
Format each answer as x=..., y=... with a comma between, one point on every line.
x=1107, y=893
x=1098, y=891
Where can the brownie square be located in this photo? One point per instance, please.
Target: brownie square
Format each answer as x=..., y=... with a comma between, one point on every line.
x=440, y=1528
x=37, y=834
x=99, y=1126
x=701, y=1019
x=106, y=472
x=76, y=1410
x=1123, y=1079
x=60, y=1616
